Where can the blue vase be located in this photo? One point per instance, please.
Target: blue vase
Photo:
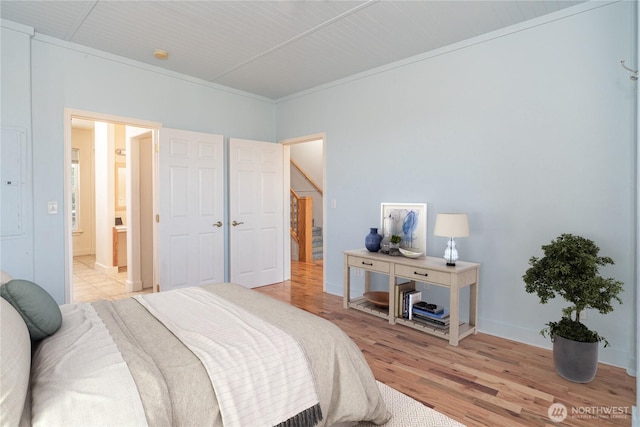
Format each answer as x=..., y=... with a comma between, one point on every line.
x=372, y=240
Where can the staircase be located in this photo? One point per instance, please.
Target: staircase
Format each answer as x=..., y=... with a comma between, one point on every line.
x=317, y=246
x=306, y=237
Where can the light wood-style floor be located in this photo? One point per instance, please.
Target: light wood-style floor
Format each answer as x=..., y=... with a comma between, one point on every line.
x=485, y=381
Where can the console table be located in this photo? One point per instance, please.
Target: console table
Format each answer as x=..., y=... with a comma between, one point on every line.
x=431, y=270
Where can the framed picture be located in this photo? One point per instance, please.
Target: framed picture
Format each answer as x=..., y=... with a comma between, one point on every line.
x=407, y=220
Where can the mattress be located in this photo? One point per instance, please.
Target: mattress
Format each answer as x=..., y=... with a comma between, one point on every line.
x=116, y=363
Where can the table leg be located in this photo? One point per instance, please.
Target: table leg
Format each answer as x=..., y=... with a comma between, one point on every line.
x=392, y=298
x=346, y=282
x=473, y=306
x=454, y=315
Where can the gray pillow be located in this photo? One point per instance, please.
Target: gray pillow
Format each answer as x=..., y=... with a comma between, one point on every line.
x=38, y=309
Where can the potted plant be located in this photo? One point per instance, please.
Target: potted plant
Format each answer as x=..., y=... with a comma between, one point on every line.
x=394, y=249
x=569, y=269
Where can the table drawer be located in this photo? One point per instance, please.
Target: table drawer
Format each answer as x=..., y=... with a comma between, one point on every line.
x=370, y=264
x=423, y=274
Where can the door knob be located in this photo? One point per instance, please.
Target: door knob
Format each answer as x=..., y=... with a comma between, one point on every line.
x=218, y=224
x=234, y=223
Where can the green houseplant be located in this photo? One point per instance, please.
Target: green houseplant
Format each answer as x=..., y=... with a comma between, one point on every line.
x=569, y=269
x=395, y=245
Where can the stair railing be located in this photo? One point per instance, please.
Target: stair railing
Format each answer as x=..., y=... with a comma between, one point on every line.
x=306, y=176
x=301, y=225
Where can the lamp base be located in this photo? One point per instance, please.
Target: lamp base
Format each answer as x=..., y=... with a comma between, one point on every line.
x=451, y=253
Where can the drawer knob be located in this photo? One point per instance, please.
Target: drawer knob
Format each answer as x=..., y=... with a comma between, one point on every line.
x=367, y=263
x=421, y=274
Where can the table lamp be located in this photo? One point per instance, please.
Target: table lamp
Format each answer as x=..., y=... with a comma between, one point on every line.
x=451, y=225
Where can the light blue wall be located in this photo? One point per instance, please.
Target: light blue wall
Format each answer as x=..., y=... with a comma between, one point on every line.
x=64, y=75
x=529, y=131
x=17, y=250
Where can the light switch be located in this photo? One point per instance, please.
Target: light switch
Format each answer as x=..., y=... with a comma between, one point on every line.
x=52, y=208
x=333, y=203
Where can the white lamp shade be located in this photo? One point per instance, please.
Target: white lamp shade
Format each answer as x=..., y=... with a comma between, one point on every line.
x=451, y=225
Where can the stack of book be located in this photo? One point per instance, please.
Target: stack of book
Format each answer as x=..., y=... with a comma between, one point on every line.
x=403, y=291
x=433, y=315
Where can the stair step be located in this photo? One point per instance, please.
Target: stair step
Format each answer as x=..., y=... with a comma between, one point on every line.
x=317, y=245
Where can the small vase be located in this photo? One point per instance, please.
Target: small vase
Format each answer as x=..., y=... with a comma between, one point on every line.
x=394, y=249
x=372, y=240
x=386, y=239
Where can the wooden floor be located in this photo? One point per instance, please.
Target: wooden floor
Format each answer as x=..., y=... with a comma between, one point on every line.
x=485, y=381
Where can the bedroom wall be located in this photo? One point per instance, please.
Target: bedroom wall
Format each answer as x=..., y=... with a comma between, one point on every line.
x=64, y=75
x=529, y=130
x=16, y=249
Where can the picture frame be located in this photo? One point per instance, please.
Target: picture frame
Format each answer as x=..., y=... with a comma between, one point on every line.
x=409, y=220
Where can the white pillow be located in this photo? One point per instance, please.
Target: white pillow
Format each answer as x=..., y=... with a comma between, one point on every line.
x=5, y=277
x=15, y=362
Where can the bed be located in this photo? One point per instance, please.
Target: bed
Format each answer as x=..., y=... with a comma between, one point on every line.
x=212, y=355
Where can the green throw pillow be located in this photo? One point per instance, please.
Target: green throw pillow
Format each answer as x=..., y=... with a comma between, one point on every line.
x=38, y=309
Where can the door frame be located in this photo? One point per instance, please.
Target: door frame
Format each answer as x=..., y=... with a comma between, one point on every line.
x=70, y=113
x=287, y=206
x=134, y=207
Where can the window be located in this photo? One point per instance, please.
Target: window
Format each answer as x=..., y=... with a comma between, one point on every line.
x=75, y=189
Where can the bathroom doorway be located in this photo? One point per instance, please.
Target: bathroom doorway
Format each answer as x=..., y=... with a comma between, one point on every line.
x=110, y=200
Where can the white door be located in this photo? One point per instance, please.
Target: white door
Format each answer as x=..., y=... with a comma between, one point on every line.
x=191, y=204
x=256, y=236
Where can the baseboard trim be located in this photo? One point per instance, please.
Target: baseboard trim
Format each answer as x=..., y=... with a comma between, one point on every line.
x=134, y=286
x=82, y=252
x=614, y=356
x=107, y=269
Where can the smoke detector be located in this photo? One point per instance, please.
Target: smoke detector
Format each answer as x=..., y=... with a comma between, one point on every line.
x=160, y=54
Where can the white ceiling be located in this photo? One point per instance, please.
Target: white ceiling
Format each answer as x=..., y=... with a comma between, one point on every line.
x=271, y=48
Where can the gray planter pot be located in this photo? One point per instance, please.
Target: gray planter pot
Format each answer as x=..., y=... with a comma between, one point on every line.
x=575, y=361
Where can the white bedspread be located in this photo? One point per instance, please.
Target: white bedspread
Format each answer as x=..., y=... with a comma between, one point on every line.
x=81, y=377
x=259, y=373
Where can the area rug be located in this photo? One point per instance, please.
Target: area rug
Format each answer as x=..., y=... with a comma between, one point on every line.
x=408, y=412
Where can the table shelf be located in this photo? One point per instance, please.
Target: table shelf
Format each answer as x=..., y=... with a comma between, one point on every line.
x=424, y=269
x=368, y=307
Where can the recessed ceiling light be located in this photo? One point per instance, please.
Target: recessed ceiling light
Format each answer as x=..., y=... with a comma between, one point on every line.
x=160, y=54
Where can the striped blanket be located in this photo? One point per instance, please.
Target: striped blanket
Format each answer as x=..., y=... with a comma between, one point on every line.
x=259, y=373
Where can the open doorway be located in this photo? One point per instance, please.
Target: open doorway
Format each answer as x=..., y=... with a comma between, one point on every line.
x=305, y=171
x=109, y=200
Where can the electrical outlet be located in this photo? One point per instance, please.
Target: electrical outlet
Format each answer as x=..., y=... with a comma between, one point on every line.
x=357, y=272
x=583, y=315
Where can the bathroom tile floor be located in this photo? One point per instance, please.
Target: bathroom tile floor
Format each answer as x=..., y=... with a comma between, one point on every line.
x=90, y=284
